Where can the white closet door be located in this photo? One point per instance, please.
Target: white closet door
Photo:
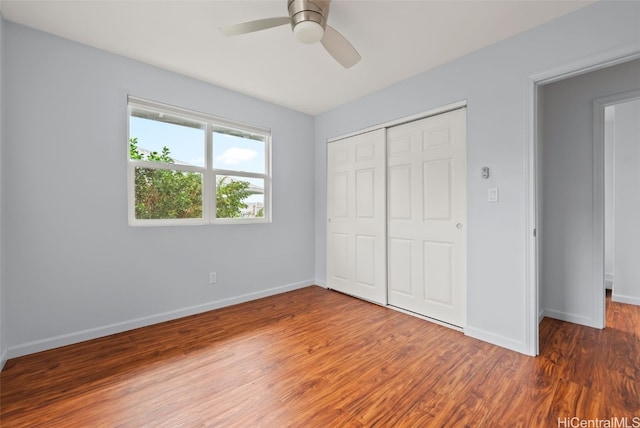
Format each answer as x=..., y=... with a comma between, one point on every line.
x=356, y=229
x=427, y=216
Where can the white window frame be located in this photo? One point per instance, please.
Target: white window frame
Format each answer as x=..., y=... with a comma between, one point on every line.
x=208, y=172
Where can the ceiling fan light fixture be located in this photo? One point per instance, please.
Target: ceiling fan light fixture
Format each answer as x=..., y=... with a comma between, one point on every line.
x=308, y=20
x=308, y=32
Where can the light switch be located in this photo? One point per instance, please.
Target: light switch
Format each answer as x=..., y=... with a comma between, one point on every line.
x=493, y=195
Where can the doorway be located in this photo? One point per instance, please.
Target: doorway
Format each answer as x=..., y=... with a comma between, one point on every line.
x=621, y=140
x=571, y=190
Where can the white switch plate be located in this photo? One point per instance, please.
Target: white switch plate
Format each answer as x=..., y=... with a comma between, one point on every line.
x=492, y=195
x=212, y=278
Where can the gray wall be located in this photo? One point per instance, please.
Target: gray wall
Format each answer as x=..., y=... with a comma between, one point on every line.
x=626, y=285
x=493, y=82
x=74, y=268
x=566, y=279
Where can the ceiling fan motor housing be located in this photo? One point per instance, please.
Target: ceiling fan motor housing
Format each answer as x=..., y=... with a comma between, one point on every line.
x=308, y=10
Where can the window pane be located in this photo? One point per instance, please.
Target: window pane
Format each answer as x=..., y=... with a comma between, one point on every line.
x=239, y=152
x=239, y=197
x=163, y=138
x=166, y=194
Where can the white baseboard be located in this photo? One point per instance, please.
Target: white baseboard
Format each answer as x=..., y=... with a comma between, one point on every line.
x=496, y=339
x=631, y=300
x=3, y=360
x=321, y=283
x=94, y=333
x=540, y=315
x=569, y=317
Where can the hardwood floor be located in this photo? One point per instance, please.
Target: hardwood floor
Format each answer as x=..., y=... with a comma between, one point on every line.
x=317, y=358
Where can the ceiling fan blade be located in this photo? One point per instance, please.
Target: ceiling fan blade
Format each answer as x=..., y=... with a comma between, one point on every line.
x=251, y=26
x=339, y=47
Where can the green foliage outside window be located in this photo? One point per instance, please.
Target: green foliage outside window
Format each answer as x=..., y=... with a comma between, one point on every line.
x=230, y=195
x=170, y=194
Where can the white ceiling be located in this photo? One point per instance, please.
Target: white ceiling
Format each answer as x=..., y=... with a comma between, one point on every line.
x=397, y=39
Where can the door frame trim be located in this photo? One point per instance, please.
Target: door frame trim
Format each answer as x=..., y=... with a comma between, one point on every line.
x=599, y=105
x=423, y=115
x=531, y=143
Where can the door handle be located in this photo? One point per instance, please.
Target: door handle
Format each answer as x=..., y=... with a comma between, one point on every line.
x=459, y=226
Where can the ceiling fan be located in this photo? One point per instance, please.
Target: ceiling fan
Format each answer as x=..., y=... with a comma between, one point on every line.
x=308, y=19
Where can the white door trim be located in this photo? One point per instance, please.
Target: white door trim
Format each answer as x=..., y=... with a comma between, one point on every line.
x=599, y=105
x=531, y=141
x=423, y=115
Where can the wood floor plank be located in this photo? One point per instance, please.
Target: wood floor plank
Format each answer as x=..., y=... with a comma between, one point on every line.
x=573, y=400
x=435, y=410
x=526, y=394
x=317, y=358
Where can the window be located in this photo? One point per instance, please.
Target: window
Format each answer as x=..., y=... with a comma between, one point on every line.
x=186, y=167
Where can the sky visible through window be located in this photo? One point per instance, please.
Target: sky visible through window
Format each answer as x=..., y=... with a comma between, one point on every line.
x=187, y=147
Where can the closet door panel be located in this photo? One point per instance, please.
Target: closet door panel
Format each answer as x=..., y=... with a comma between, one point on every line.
x=426, y=226
x=356, y=216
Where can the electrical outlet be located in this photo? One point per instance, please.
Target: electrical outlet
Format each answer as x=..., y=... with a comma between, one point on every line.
x=212, y=278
